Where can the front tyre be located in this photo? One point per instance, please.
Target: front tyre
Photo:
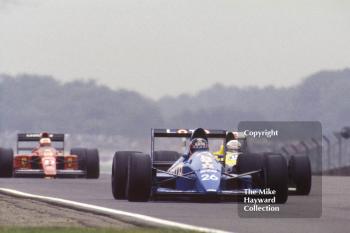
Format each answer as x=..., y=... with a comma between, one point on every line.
x=92, y=164
x=120, y=173
x=139, y=182
x=300, y=173
x=6, y=162
x=276, y=176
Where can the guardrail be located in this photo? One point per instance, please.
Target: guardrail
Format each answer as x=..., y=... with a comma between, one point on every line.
x=326, y=156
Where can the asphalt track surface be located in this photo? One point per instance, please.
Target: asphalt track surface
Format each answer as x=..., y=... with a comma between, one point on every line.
x=335, y=212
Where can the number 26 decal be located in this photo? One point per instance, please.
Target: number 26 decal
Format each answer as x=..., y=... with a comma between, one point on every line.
x=209, y=177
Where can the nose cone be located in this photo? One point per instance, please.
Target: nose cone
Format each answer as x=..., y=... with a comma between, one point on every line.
x=49, y=166
x=209, y=182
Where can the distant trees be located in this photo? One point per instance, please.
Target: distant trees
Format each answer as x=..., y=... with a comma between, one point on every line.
x=324, y=97
x=35, y=103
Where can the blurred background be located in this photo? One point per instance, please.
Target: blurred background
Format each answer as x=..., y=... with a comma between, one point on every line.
x=106, y=72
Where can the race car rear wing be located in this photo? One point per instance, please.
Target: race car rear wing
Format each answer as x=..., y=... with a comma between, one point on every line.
x=186, y=133
x=35, y=137
x=24, y=139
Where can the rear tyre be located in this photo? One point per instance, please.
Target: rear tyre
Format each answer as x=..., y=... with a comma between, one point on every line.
x=276, y=176
x=92, y=164
x=81, y=154
x=166, y=155
x=139, y=177
x=300, y=173
x=252, y=162
x=249, y=162
x=6, y=162
x=120, y=173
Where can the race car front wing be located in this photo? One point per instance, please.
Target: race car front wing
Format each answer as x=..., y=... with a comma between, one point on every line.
x=68, y=173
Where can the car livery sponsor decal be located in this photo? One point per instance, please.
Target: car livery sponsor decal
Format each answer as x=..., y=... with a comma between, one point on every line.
x=184, y=131
x=178, y=170
x=207, y=161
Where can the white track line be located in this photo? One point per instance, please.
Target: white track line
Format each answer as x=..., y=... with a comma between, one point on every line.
x=137, y=219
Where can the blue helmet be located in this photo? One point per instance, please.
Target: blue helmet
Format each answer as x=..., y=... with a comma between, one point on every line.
x=198, y=144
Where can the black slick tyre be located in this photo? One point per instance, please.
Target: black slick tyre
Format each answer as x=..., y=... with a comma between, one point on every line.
x=6, y=162
x=92, y=164
x=300, y=173
x=120, y=173
x=276, y=176
x=166, y=155
x=139, y=182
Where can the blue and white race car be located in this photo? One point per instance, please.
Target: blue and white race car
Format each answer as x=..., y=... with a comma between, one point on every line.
x=196, y=173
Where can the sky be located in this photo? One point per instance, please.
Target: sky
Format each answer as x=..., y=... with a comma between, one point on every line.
x=159, y=47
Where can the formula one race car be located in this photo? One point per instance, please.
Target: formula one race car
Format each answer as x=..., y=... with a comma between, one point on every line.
x=47, y=159
x=169, y=174
x=299, y=166
x=235, y=144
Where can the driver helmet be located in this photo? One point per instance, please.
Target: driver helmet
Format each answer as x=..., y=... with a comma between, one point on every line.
x=45, y=142
x=233, y=146
x=198, y=144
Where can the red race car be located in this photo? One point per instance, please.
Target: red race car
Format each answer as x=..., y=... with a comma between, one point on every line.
x=46, y=158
